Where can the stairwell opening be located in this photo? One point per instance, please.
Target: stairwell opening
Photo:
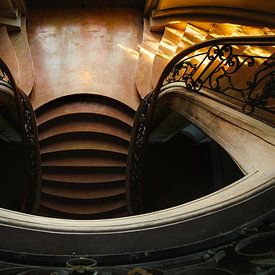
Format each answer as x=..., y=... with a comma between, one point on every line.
x=183, y=164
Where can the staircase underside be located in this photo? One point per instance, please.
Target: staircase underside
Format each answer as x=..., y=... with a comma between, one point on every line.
x=84, y=141
x=84, y=98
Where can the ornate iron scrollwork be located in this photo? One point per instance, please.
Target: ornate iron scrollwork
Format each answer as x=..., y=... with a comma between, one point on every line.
x=247, y=79
x=268, y=92
x=31, y=152
x=140, y=140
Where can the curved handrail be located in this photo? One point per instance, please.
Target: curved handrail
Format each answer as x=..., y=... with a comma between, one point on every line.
x=30, y=140
x=239, y=40
x=144, y=115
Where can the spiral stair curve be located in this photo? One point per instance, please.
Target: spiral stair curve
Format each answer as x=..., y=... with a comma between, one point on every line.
x=84, y=142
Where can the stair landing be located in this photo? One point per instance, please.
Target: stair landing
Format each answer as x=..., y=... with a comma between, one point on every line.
x=85, y=51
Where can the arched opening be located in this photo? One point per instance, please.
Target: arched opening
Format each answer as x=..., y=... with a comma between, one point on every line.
x=183, y=164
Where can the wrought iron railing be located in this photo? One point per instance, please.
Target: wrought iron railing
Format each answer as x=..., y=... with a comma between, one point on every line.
x=238, y=71
x=218, y=69
x=28, y=131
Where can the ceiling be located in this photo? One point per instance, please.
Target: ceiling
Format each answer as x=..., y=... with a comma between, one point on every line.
x=86, y=3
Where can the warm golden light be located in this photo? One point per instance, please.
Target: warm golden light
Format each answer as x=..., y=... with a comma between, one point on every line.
x=168, y=45
x=175, y=32
x=132, y=52
x=258, y=51
x=224, y=29
x=86, y=75
x=149, y=53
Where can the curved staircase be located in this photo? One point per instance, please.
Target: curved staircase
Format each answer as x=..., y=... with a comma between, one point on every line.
x=84, y=137
x=84, y=141
x=162, y=42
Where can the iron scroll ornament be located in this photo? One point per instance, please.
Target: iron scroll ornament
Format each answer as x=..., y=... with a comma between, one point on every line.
x=247, y=79
x=137, y=151
x=33, y=165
